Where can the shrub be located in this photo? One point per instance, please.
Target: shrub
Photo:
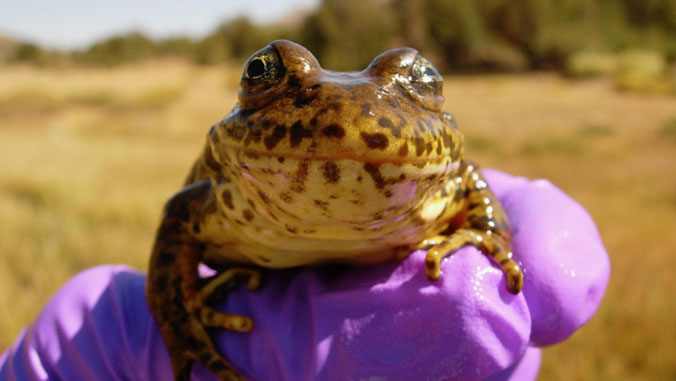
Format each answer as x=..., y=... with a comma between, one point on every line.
x=586, y=64
x=643, y=70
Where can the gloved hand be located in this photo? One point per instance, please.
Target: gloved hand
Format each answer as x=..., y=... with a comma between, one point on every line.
x=343, y=322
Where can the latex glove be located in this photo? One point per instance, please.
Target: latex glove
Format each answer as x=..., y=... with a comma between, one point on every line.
x=341, y=322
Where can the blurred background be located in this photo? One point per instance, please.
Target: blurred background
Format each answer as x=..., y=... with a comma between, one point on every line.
x=104, y=108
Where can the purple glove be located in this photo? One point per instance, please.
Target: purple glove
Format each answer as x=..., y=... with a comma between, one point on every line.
x=340, y=322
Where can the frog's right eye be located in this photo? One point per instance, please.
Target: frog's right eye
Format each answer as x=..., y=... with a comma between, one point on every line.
x=264, y=65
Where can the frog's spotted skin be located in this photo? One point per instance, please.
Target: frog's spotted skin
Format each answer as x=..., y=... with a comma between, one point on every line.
x=314, y=166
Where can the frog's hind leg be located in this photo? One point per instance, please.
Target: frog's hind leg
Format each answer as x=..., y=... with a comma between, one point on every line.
x=177, y=296
x=485, y=227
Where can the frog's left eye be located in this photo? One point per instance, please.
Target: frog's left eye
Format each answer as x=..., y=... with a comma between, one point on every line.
x=425, y=77
x=263, y=65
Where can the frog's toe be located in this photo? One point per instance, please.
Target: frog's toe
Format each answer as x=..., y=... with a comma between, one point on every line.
x=217, y=319
x=433, y=265
x=253, y=283
x=514, y=278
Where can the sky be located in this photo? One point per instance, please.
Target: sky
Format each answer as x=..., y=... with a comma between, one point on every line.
x=69, y=24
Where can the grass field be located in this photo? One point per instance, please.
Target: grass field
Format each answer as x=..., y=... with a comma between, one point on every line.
x=89, y=157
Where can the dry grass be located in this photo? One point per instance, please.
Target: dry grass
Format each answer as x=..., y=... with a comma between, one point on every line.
x=89, y=157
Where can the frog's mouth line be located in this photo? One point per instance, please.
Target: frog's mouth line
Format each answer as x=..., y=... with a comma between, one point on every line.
x=349, y=155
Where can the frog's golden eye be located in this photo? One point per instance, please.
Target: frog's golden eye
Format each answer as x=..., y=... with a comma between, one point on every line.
x=425, y=77
x=263, y=65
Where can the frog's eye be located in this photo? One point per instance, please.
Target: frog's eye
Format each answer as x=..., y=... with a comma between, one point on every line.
x=425, y=77
x=263, y=65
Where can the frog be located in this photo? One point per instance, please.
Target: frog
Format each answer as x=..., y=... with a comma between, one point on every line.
x=316, y=167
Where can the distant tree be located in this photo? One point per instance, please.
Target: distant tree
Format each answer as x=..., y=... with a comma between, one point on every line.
x=176, y=46
x=348, y=34
x=29, y=53
x=130, y=47
x=237, y=38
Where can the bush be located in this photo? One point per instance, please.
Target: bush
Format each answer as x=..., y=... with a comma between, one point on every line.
x=643, y=70
x=586, y=64
x=348, y=34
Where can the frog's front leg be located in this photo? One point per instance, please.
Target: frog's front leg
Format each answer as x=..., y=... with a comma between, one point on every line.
x=177, y=295
x=485, y=226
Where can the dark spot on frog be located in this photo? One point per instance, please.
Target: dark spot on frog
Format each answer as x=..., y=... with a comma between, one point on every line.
x=447, y=139
x=386, y=123
x=331, y=172
x=266, y=125
x=264, y=259
x=277, y=134
x=334, y=196
x=333, y=131
x=323, y=205
x=264, y=197
x=438, y=147
x=359, y=179
x=375, y=141
x=297, y=133
x=388, y=194
x=291, y=229
x=227, y=199
x=196, y=228
x=300, y=176
x=421, y=126
x=357, y=202
x=419, y=145
x=403, y=150
x=430, y=126
x=429, y=147
x=293, y=82
x=310, y=231
x=286, y=197
x=254, y=135
x=281, y=159
x=239, y=222
x=377, y=177
x=248, y=215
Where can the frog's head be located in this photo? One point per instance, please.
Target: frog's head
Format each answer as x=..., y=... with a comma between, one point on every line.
x=321, y=147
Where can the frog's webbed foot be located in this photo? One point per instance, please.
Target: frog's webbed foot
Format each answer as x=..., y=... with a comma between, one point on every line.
x=485, y=226
x=217, y=319
x=494, y=246
x=185, y=328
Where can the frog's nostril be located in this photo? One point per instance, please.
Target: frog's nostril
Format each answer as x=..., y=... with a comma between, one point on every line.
x=255, y=69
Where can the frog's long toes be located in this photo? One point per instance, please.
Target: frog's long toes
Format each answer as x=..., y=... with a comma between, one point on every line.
x=217, y=319
x=514, y=279
x=254, y=282
x=433, y=265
